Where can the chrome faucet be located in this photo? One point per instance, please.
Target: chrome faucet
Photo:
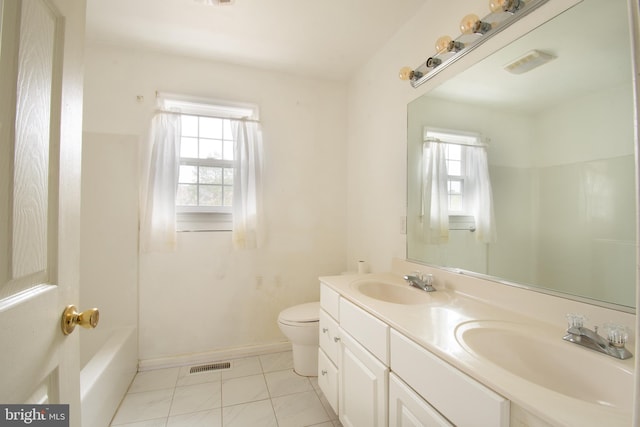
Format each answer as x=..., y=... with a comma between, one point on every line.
x=420, y=281
x=613, y=345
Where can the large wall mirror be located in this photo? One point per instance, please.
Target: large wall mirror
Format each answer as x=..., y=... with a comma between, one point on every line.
x=536, y=184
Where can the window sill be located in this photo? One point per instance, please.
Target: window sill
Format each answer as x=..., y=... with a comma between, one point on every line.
x=462, y=222
x=203, y=221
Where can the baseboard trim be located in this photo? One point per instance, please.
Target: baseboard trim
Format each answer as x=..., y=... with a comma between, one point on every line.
x=212, y=356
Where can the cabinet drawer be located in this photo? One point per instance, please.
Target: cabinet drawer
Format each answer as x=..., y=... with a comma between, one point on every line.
x=366, y=329
x=460, y=398
x=329, y=336
x=328, y=379
x=408, y=409
x=330, y=301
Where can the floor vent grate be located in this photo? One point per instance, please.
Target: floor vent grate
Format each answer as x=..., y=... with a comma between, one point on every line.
x=209, y=367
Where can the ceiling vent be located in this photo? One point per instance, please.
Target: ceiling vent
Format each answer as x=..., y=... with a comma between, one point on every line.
x=528, y=62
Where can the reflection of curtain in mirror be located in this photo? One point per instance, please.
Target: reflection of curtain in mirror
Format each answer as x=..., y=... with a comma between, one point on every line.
x=434, y=211
x=478, y=191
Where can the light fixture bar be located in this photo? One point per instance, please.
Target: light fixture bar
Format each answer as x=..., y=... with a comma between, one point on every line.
x=476, y=34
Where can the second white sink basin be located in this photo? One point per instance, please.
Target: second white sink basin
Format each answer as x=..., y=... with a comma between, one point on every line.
x=391, y=292
x=554, y=364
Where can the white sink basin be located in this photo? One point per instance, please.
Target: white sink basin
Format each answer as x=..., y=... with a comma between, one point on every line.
x=551, y=363
x=391, y=292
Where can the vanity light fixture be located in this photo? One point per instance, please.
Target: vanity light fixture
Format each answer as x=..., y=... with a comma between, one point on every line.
x=442, y=44
x=471, y=24
x=474, y=32
x=433, y=62
x=511, y=6
x=406, y=73
x=455, y=46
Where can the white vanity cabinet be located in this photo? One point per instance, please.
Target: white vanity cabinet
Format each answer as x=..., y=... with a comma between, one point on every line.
x=458, y=397
x=353, y=361
x=374, y=376
x=364, y=371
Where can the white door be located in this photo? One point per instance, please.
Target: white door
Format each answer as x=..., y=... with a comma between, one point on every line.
x=41, y=51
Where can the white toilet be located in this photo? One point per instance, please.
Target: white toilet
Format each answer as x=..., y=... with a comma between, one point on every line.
x=300, y=325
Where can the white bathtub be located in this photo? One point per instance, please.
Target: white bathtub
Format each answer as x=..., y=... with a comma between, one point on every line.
x=104, y=380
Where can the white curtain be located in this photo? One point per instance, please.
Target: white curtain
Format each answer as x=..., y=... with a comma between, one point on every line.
x=161, y=154
x=479, y=193
x=434, y=216
x=247, y=185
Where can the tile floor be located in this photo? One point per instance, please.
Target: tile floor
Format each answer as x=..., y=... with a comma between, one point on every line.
x=261, y=391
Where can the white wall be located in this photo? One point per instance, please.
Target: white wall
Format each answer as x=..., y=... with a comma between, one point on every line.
x=108, y=260
x=206, y=296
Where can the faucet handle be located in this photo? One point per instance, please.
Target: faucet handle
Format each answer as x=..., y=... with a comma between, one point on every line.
x=418, y=274
x=576, y=320
x=618, y=335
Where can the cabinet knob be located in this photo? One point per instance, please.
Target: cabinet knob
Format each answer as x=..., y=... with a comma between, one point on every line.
x=336, y=339
x=324, y=372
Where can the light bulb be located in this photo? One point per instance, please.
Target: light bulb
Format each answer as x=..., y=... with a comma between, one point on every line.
x=496, y=5
x=467, y=23
x=442, y=44
x=510, y=6
x=406, y=73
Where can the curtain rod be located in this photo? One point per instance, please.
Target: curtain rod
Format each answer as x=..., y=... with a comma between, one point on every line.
x=432, y=139
x=239, y=119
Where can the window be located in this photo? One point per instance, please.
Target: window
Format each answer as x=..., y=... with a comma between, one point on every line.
x=455, y=179
x=205, y=182
x=456, y=188
x=204, y=198
x=458, y=198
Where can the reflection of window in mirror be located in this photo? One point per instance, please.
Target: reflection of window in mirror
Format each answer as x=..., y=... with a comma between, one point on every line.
x=466, y=181
x=455, y=179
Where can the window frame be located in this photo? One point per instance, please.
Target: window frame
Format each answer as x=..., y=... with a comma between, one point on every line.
x=205, y=218
x=198, y=162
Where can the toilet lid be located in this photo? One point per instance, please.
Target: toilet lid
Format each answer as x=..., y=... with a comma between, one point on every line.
x=303, y=313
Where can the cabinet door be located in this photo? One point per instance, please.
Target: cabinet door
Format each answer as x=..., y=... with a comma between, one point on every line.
x=363, y=391
x=328, y=379
x=407, y=409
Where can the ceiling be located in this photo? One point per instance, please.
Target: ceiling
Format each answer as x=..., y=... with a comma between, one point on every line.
x=328, y=39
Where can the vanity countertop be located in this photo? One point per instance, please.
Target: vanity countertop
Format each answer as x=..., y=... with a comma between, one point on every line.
x=435, y=325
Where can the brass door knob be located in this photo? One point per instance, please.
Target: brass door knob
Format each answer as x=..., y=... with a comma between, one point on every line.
x=87, y=319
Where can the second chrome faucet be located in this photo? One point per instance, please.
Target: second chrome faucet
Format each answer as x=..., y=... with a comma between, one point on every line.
x=614, y=345
x=421, y=281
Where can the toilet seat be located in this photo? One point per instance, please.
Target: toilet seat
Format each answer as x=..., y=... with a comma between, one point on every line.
x=301, y=315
